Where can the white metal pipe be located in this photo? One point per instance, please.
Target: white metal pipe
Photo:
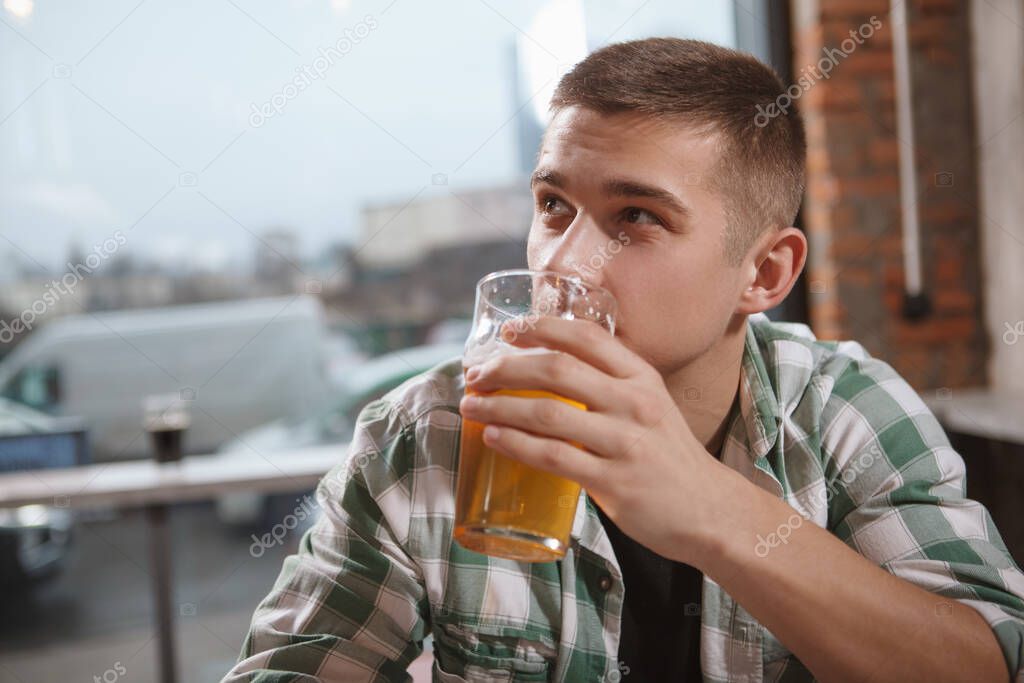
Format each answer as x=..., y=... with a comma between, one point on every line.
x=907, y=157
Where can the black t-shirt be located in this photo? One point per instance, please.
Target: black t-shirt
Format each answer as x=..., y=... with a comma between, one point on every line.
x=660, y=638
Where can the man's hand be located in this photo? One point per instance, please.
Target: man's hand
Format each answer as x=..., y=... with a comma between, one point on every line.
x=635, y=454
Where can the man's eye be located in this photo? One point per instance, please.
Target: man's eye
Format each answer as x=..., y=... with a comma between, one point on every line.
x=553, y=206
x=637, y=215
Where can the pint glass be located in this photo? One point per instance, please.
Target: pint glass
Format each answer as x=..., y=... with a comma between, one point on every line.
x=502, y=507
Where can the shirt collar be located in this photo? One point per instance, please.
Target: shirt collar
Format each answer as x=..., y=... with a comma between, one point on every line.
x=759, y=405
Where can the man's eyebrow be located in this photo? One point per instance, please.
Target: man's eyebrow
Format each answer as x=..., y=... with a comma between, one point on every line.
x=617, y=187
x=549, y=177
x=630, y=188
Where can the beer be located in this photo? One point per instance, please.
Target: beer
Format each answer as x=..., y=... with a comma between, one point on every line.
x=508, y=508
x=503, y=507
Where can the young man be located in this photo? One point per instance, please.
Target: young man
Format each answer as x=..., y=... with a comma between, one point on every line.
x=759, y=506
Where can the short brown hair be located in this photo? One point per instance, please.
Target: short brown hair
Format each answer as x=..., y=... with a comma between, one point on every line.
x=760, y=173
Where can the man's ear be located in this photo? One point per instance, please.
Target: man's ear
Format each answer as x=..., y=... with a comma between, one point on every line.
x=778, y=260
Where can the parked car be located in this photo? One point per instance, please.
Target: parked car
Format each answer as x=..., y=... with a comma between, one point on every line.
x=34, y=539
x=333, y=424
x=238, y=363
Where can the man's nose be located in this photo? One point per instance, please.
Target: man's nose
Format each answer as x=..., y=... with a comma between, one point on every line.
x=575, y=251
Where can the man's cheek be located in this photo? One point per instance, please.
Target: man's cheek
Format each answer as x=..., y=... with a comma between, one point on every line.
x=648, y=320
x=532, y=249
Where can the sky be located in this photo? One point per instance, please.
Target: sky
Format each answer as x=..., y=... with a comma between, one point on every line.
x=149, y=118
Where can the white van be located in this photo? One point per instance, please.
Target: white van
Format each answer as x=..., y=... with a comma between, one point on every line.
x=237, y=364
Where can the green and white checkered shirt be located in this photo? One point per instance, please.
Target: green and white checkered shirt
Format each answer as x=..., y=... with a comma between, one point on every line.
x=837, y=434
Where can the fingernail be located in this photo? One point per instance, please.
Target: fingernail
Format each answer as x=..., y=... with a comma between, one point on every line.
x=472, y=374
x=470, y=402
x=491, y=433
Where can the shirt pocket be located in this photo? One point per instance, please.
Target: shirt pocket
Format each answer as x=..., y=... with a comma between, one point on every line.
x=490, y=654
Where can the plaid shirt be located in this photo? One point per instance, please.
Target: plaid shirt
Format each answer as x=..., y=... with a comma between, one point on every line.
x=837, y=434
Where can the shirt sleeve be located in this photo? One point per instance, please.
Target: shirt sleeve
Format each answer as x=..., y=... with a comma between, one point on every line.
x=350, y=605
x=898, y=497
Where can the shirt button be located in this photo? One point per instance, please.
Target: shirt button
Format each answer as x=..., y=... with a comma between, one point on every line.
x=605, y=583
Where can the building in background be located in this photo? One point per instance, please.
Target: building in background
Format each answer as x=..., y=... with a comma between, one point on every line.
x=396, y=235
x=418, y=262
x=276, y=258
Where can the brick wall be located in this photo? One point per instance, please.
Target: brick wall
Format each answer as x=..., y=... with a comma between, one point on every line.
x=852, y=209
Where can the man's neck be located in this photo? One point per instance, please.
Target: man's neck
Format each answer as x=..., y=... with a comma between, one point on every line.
x=706, y=389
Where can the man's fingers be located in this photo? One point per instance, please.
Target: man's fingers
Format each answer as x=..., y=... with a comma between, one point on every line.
x=547, y=417
x=558, y=373
x=549, y=455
